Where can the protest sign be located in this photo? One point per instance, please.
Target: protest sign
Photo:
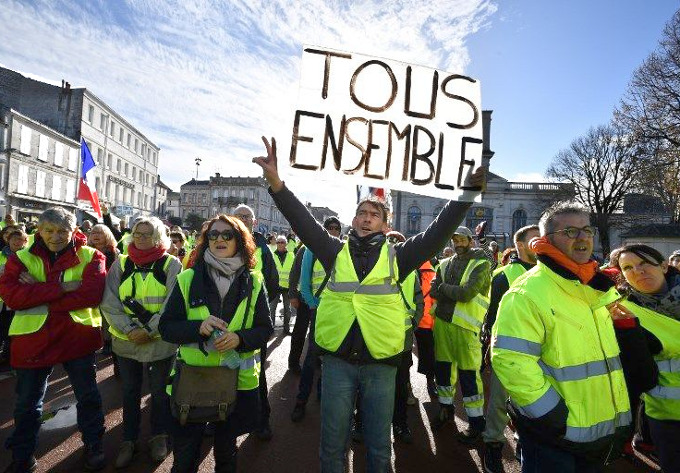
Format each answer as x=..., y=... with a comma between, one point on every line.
x=386, y=123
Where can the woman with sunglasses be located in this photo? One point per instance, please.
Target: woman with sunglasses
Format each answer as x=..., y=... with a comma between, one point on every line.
x=137, y=285
x=222, y=297
x=653, y=299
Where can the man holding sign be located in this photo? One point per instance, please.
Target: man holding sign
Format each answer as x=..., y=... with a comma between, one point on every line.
x=360, y=320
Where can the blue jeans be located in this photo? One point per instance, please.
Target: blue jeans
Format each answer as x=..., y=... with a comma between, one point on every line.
x=375, y=384
x=539, y=458
x=30, y=392
x=132, y=376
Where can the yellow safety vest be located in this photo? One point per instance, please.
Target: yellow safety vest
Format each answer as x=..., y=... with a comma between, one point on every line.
x=663, y=401
x=249, y=370
x=285, y=268
x=554, y=339
x=147, y=291
x=469, y=315
x=512, y=271
x=318, y=275
x=31, y=320
x=374, y=302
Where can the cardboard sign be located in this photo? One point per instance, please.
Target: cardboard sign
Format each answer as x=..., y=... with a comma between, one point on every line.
x=386, y=124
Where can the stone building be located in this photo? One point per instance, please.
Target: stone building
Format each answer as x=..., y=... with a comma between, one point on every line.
x=172, y=205
x=221, y=194
x=160, y=198
x=39, y=167
x=127, y=161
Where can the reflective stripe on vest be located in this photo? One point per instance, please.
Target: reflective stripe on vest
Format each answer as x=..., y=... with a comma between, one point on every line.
x=285, y=268
x=375, y=303
x=249, y=372
x=662, y=402
x=318, y=275
x=258, y=259
x=31, y=320
x=469, y=315
x=148, y=292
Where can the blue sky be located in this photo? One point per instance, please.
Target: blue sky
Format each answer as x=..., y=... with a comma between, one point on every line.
x=207, y=78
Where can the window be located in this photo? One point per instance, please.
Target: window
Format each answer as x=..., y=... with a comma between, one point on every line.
x=136, y=145
x=519, y=220
x=108, y=190
x=118, y=165
x=90, y=114
x=72, y=159
x=143, y=149
x=139, y=199
x=117, y=193
x=129, y=140
x=102, y=122
x=22, y=181
x=413, y=220
x=146, y=201
x=58, y=154
x=134, y=173
x=109, y=160
x=56, y=187
x=2, y=176
x=98, y=185
x=25, y=145
x=113, y=128
x=42, y=148
x=100, y=156
x=121, y=134
x=147, y=179
x=40, y=183
x=70, y=190
x=477, y=215
x=126, y=169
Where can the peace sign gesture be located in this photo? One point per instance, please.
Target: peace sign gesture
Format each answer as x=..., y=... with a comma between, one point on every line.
x=269, y=165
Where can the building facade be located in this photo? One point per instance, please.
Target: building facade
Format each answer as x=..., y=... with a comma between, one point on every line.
x=127, y=161
x=221, y=194
x=39, y=167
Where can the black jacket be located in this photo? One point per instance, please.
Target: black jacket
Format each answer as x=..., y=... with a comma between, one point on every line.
x=175, y=328
x=410, y=255
x=271, y=275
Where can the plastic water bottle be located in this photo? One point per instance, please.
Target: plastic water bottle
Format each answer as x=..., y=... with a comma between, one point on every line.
x=230, y=358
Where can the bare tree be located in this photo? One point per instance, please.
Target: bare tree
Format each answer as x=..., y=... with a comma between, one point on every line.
x=650, y=112
x=602, y=168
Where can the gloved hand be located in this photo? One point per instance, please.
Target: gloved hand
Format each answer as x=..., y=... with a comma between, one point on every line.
x=480, y=229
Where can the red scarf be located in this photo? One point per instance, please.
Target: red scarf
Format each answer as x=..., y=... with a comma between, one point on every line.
x=585, y=272
x=144, y=257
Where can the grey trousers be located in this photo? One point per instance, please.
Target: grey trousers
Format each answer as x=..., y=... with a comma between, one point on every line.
x=496, y=413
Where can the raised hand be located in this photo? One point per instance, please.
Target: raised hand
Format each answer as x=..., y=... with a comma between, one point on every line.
x=269, y=166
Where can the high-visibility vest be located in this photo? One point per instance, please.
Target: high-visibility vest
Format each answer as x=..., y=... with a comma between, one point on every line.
x=31, y=320
x=285, y=268
x=469, y=315
x=554, y=339
x=249, y=370
x=512, y=271
x=375, y=303
x=148, y=291
x=318, y=275
x=291, y=245
x=258, y=259
x=663, y=401
x=427, y=274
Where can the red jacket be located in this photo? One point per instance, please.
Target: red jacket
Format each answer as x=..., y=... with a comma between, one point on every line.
x=60, y=338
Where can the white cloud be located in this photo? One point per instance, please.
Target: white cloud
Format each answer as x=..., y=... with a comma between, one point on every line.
x=207, y=78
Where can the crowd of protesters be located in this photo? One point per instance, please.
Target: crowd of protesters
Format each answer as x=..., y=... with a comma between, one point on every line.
x=584, y=358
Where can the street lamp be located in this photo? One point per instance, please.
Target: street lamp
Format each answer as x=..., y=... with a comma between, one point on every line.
x=198, y=163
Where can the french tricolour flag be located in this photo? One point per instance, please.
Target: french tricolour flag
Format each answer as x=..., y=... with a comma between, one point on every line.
x=86, y=189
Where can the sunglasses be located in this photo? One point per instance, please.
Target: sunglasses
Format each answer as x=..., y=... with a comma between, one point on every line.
x=226, y=235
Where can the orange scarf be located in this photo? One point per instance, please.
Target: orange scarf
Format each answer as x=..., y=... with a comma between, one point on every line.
x=585, y=272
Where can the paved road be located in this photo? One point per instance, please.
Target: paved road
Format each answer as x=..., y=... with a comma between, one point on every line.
x=293, y=449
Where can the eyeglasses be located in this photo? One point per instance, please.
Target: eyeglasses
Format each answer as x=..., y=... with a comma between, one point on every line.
x=141, y=235
x=574, y=232
x=333, y=227
x=226, y=235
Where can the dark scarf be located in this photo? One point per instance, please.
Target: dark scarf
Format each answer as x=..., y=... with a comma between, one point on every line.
x=366, y=243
